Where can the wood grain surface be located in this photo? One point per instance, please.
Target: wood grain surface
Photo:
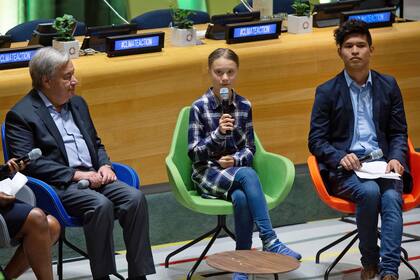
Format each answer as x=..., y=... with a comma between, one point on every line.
x=252, y=262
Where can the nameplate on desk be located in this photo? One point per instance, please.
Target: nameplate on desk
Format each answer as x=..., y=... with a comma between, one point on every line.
x=135, y=44
x=373, y=17
x=252, y=31
x=17, y=57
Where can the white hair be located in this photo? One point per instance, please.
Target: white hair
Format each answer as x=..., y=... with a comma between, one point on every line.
x=45, y=62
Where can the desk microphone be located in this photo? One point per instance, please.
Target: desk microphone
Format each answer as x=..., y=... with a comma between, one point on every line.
x=374, y=155
x=224, y=94
x=32, y=155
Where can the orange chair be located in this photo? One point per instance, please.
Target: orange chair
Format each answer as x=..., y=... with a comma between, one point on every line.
x=410, y=201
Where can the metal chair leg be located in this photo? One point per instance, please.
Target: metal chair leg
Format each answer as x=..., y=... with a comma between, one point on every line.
x=416, y=274
x=221, y=225
x=334, y=263
x=189, y=244
x=404, y=252
x=203, y=254
x=341, y=239
x=60, y=257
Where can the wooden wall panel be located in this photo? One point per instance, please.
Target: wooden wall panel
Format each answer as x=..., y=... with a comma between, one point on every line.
x=135, y=100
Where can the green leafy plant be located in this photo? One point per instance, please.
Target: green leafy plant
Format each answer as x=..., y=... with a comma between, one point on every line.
x=301, y=8
x=65, y=26
x=180, y=18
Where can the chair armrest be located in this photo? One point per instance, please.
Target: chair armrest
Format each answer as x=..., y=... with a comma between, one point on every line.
x=126, y=174
x=26, y=195
x=48, y=200
x=276, y=174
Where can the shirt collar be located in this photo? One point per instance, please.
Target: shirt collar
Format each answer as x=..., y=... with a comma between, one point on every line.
x=351, y=82
x=214, y=102
x=48, y=103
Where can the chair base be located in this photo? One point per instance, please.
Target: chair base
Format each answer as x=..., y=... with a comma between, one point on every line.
x=221, y=224
x=63, y=240
x=354, y=233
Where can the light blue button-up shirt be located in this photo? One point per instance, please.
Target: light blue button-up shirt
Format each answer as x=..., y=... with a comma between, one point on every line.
x=364, y=134
x=76, y=148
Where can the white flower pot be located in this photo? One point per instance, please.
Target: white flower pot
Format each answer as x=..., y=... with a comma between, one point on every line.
x=298, y=25
x=67, y=47
x=183, y=37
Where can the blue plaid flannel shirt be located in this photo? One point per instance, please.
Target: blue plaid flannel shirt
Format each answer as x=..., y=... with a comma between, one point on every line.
x=206, y=144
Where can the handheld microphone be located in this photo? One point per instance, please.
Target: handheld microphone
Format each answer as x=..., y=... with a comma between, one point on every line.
x=32, y=155
x=374, y=155
x=83, y=184
x=224, y=94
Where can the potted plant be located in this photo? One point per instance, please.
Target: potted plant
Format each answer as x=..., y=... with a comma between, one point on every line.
x=183, y=33
x=301, y=21
x=65, y=42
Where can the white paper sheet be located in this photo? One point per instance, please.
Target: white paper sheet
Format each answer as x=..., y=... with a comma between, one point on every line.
x=375, y=170
x=11, y=187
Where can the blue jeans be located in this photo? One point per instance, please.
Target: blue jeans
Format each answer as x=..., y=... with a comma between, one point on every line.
x=249, y=207
x=373, y=197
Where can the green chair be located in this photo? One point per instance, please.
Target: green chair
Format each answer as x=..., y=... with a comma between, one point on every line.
x=276, y=174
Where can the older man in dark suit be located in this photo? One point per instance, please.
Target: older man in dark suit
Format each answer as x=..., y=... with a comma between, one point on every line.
x=54, y=119
x=355, y=113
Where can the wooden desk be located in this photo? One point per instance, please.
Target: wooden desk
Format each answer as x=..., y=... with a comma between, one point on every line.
x=135, y=100
x=252, y=262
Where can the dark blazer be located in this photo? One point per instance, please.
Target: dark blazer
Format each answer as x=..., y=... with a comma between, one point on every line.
x=332, y=122
x=29, y=125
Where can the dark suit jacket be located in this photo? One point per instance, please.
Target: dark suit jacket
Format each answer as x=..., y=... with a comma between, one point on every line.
x=332, y=122
x=29, y=125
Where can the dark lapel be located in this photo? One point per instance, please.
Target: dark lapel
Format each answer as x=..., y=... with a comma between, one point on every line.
x=376, y=100
x=44, y=114
x=348, y=105
x=76, y=112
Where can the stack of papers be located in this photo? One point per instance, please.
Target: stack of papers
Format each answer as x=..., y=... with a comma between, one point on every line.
x=11, y=187
x=375, y=170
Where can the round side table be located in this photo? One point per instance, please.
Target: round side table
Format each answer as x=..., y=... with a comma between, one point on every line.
x=252, y=262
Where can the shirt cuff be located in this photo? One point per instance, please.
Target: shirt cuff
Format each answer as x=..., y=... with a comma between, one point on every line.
x=217, y=136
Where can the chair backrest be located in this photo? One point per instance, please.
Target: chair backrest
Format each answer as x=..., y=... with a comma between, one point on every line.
x=163, y=17
x=411, y=200
x=279, y=6
x=23, y=31
x=178, y=153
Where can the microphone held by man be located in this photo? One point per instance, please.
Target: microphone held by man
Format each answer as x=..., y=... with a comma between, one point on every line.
x=374, y=155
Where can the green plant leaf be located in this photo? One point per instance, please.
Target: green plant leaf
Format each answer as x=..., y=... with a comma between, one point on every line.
x=64, y=26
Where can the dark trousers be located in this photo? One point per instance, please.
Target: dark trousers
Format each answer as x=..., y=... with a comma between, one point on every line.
x=99, y=208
